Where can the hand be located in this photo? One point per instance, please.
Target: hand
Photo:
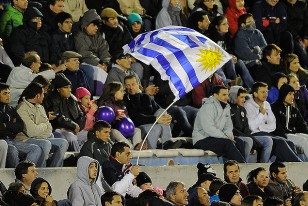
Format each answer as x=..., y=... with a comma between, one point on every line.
x=277, y=21
x=60, y=68
x=305, y=42
x=103, y=67
x=140, y=11
x=51, y=116
x=132, y=59
x=93, y=106
x=48, y=198
x=262, y=110
x=77, y=129
x=288, y=202
x=297, y=190
x=151, y=90
x=231, y=138
x=234, y=59
x=135, y=170
x=165, y=119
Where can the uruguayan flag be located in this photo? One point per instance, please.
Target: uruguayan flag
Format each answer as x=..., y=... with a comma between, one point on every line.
x=181, y=55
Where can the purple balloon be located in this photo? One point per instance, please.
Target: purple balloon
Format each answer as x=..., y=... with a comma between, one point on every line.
x=126, y=126
x=105, y=113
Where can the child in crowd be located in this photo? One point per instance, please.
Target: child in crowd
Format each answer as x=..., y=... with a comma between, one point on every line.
x=98, y=145
x=113, y=97
x=145, y=183
x=86, y=105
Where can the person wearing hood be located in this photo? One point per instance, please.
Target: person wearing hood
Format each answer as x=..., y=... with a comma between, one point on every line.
x=289, y=121
x=213, y=126
x=169, y=15
x=84, y=191
x=248, y=41
x=30, y=37
x=90, y=43
x=237, y=95
x=234, y=11
x=262, y=122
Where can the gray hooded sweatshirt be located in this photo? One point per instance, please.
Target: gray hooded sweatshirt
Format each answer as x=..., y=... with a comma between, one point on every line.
x=212, y=121
x=83, y=192
x=168, y=16
x=94, y=49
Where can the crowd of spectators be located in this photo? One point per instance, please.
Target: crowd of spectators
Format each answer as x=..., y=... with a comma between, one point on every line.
x=56, y=55
x=116, y=182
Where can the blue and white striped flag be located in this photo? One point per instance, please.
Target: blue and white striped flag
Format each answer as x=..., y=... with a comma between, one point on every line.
x=181, y=55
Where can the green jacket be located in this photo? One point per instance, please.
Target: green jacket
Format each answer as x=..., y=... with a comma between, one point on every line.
x=10, y=19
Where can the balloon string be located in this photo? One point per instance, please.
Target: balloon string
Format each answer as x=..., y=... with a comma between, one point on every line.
x=151, y=130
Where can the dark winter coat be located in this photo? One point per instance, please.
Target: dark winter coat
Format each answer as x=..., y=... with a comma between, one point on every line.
x=12, y=120
x=141, y=108
x=60, y=42
x=96, y=149
x=70, y=114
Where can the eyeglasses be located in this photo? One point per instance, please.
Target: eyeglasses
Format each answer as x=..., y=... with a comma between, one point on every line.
x=125, y=57
x=211, y=1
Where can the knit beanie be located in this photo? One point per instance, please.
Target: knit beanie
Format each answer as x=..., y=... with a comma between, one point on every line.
x=61, y=81
x=227, y=191
x=133, y=17
x=143, y=178
x=205, y=168
x=284, y=91
x=36, y=184
x=81, y=92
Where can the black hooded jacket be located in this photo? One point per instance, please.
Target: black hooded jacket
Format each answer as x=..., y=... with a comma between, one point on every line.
x=27, y=38
x=296, y=123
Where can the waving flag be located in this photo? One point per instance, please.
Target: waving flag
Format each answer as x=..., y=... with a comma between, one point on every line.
x=181, y=55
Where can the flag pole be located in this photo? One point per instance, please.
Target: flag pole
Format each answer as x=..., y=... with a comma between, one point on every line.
x=151, y=129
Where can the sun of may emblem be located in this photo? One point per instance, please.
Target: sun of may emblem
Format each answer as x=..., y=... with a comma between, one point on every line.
x=210, y=59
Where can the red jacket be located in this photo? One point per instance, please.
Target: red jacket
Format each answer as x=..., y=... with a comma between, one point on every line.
x=232, y=14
